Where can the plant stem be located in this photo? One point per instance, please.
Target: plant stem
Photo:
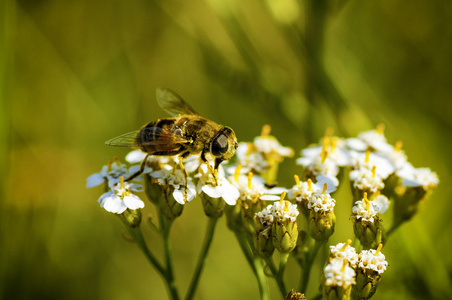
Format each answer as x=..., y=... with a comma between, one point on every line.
x=245, y=249
x=254, y=261
x=277, y=275
x=307, y=267
x=202, y=257
x=165, y=225
x=137, y=235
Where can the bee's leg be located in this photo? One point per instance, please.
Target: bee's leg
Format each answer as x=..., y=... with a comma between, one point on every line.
x=203, y=157
x=141, y=170
x=217, y=163
x=182, y=168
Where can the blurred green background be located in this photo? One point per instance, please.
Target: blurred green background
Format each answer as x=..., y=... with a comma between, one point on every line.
x=76, y=73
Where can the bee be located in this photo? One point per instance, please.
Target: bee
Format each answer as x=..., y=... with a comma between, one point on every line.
x=183, y=134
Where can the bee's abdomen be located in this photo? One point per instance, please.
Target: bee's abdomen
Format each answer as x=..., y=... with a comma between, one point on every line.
x=158, y=138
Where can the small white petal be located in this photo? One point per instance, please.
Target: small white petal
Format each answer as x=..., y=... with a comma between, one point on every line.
x=269, y=198
x=382, y=203
x=356, y=144
x=179, y=196
x=135, y=156
x=133, y=202
x=94, y=180
x=114, y=204
x=213, y=192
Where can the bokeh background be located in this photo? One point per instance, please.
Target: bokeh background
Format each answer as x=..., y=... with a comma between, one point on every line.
x=76, y=73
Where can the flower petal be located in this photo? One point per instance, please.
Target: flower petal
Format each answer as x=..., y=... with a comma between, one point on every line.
x=133, y=202
x=94, y=180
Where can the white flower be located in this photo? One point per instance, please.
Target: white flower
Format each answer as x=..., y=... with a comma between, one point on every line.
x=337, y=152
x=339, y=273
x=365, y=179
x=373, y=260
x=250, y=159
x=303, y=190
x=218, y=186
x=368, y=160
x=397, y=156
x=184, y=188
x=121, y=198
x=319, y=166
x=345, y=251
x=412, y=177
x=283, y=210
x=321, y=202
x=366, y=210
x=109, y=173
x=270, y=145
x=265, y=217
x=252, y=188
x=373, y=139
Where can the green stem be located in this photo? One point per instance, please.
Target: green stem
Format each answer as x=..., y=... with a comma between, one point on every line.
x=307, y=267
x=165, y=225
x=245, y=249
x=277, y=275
x=254, y=261
x=202, y=257
x=283, y=257
x=137, y=235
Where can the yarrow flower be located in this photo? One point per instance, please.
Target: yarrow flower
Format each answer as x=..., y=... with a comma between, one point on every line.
x=367, y=224
x=345, y=251
x=182, y=187
x=216, y=185
x=420, y=177
x=109, y=174
x=371, y=265
x=121, y=198
x=372, y=139
x=339, y=273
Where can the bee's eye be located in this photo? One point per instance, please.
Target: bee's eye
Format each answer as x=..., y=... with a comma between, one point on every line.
x=219, y=145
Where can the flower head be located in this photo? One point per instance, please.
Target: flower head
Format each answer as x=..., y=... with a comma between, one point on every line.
x=420, y=177
x=373, y=260
x=121, y=198
x=339, y=273
x=181, y=186
x=110, y=174
x=345, y=251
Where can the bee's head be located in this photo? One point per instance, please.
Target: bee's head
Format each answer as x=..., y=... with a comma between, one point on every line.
x=224, y=144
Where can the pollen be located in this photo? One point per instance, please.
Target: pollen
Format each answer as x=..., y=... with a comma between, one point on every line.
x=379, y=248
x=323, y=155
x=250, y=178
x=347, y=243
x=116, y=158
x=324, y=188
x=110, y=163
x=367, y=156
x=281, y=200
x=380, y=128
x=333, y=144
x=373, y=171
x=297, y=180
x=121, y=182
x=344, y=264
x=398, y=146
x=366, y=201
x=310, y=184
x=266, y=129
x=237, y=172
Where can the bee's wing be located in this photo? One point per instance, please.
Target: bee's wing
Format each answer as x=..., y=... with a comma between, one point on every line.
x=172, y=103
x=149, y=136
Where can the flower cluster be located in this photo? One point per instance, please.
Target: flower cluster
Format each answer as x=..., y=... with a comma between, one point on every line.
x=245, y=191
x=350, y=274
